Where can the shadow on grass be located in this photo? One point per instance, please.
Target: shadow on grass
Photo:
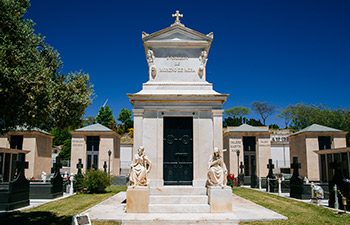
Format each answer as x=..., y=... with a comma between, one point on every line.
x=37, y=218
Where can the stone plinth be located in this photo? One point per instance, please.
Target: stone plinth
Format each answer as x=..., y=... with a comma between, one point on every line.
x=220, y=199
x=137, y=200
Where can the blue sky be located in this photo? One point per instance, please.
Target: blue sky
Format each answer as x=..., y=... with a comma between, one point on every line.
x=282, y=52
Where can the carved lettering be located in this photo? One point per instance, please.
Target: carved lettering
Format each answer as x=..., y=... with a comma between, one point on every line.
x=176, y=58
x=176, y=70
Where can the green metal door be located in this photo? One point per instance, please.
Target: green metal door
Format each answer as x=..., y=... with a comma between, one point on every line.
x=178, y=150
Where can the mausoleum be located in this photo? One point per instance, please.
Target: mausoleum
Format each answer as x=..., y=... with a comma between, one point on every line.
x=177, y=120
x=97, y=146
x=37, y=142
x=251, y=145
x=304, y=143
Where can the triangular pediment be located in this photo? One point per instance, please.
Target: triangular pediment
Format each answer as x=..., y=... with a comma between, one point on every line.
x=177, y=33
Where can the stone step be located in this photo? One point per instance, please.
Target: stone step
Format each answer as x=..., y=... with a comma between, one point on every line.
x=178, y=190
x=178, y=199
x=179, y=208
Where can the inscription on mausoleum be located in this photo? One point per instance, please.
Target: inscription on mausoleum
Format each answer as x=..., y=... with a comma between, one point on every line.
x=235, y=145
x=176, y=65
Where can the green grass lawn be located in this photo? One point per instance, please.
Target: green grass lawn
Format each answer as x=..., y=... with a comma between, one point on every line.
x=296, y=211
x=61, y=211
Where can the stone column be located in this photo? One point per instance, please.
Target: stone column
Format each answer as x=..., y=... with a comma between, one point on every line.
x=217, y=126
x=138, y=129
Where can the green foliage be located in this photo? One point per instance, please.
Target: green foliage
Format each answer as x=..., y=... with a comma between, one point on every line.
x=264, y=109
x=254, y=122
x=124, y=115
x=126, y=121
x=33, y=90
x=96, y=181
x=239, y=121
x=274, y=126
x=79, y=182
x=297, y=212
x=306, y=115
x=89, y=121
x=237, y=112
x=60, y=136
x=66, y=149
x=105, y=116
x=232, y=121
x=286, y=114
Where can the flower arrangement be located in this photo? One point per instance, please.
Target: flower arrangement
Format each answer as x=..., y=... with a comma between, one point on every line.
x=232, y=180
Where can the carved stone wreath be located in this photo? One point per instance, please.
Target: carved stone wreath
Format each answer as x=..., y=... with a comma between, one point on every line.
x=170, y=139
x=186, y=139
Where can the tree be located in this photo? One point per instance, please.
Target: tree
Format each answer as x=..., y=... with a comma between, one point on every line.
x=105, y=116
x=66, y=149
x=126, y=121
x=286, y=114
x=274, y=126
x=306, y=115
x=89, y=121
x=264, y=109
x=60, y=136
x=237, y=111
x=254, y=122
x=33, y=91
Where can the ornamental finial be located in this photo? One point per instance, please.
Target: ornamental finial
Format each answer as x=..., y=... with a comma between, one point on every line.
x=177, y=15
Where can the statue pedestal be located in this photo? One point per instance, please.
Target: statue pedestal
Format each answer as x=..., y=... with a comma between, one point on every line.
x=220, y=199
x=137, y=199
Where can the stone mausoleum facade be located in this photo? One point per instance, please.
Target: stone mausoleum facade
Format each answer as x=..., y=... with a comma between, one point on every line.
x=38, y=146
x=316, y=138
x=91, y=144
x=253, y=146
x=177, y=114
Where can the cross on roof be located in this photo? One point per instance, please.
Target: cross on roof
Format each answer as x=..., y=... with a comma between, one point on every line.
x=177, y=15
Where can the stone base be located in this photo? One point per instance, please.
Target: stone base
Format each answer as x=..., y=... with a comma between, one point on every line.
x=220, y=199
x=137, y=200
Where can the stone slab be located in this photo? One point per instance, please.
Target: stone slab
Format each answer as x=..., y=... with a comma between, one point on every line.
x=113, y=209
x=178, y=199
x=178, y=190
x=220, y=199
x=179, y=208
x=137, y=200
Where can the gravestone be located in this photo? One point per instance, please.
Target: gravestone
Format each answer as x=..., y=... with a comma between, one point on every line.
x=297, y=188
x=253, y=177
x=15, y=194
x=105, y=167
x=271, y=179
x=48, y=190
x=241, y=175
x=343, y=186
x=78, y=177
x=79, y=166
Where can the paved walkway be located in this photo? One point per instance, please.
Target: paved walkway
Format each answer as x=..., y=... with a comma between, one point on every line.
x=113, y=209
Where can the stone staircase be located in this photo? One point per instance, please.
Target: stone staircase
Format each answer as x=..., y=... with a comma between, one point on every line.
x=178, y=199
